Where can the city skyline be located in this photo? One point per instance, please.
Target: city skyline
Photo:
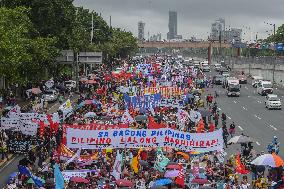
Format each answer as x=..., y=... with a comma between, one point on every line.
x=194, y=19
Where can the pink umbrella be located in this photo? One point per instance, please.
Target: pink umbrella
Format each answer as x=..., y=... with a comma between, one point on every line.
x=90, y=82
x=36, y=90
x=200, y=181
x=171, y=173
x=123, y=182
x=79, y=180
x=173, y=166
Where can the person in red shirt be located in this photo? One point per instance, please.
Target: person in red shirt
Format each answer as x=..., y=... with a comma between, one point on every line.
x=211, y=127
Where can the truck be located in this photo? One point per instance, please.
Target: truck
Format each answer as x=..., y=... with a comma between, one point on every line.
x=233, y=89
x=232, y=85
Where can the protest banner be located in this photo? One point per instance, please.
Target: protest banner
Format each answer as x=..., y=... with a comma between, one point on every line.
x=142, y=102
x=165, y=91
x=19, y=146
x=77, y=173
x=26, y=123
x=132, y=138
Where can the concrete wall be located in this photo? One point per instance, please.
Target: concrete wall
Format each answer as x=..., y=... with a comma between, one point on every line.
x=264, y=68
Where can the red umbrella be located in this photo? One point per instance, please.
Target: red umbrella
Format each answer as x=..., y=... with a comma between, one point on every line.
x=123, y=182
x=79, y=180
x=173, y=166
x=200, y=181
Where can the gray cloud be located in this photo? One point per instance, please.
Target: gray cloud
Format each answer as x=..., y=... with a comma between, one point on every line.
x=194, y=16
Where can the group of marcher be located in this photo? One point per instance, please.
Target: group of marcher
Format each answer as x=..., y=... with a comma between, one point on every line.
x=142, y=168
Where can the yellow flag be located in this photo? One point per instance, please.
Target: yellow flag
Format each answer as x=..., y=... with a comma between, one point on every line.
x=68, y=104
x=135, y=162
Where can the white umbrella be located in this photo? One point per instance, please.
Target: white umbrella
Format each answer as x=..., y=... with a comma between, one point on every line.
x=90, y=115
x=240, y=139
x=194, y=116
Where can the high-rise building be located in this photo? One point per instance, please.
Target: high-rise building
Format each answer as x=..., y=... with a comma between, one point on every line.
x=233, y=35
x=217, y=28
x=172, y=25
x=141, y=28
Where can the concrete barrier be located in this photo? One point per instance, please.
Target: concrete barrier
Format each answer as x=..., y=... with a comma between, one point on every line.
x=262, y=68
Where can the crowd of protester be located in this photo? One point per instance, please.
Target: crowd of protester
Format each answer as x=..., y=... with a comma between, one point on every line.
x=190, y=169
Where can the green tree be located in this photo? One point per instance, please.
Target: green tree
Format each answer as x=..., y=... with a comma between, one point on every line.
x=22, y=56
x=51, y=18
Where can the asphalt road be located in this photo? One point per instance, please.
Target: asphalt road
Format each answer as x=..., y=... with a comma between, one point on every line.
x=250, y=115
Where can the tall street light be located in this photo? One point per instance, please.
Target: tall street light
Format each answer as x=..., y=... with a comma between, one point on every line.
x=274, y=43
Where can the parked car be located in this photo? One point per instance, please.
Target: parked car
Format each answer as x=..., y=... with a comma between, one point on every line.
x=70, y=84
x=272, y=102
x=50, y=95
x=217, y=67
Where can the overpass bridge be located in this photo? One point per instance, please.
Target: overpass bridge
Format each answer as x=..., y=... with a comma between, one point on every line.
x=186, y=44
x=209, y=45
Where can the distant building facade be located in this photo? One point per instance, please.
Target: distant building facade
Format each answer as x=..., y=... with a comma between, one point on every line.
x=156, y=37
x=217, y=29
x=141, y=31
x=219, y=32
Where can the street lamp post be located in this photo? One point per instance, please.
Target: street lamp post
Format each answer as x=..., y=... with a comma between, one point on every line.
x=274, y=54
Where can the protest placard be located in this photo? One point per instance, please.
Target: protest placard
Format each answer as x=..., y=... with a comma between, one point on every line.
x=19, y=146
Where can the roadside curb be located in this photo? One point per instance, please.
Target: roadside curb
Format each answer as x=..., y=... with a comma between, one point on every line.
x=6, y=163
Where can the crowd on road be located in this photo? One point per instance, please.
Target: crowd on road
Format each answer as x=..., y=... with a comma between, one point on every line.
x=157, y=124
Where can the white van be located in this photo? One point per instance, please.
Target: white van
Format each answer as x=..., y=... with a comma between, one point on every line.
x=264, y=88
x=272, y=102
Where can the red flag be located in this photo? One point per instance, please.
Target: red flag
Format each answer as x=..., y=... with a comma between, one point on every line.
x=41, y=128
x=153, y=125
x=240, y=167
x=180, y=178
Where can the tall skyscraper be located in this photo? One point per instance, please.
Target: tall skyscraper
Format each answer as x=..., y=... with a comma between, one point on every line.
x=217, y=28
x=141, y=28
x=172, y=25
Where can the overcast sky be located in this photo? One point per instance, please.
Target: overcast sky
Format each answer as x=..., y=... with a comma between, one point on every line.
x=194, y=16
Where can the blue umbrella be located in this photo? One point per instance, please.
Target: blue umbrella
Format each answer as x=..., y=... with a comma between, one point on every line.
x=11, y=176
x=90, y=114
x=162, y=182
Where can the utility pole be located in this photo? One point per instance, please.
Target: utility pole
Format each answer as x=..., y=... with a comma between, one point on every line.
x=92, y=29
x=275, y=55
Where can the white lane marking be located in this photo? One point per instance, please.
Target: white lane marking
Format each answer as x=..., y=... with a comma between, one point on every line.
x=257, y=116
x=235, y=102
x=275, y=129
x=240, y=128
x=8, y=163
x=248, y=96
x=257, y=143
x=254, y=92
x=246, y=87
x=229, y=117
x=245, y=108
